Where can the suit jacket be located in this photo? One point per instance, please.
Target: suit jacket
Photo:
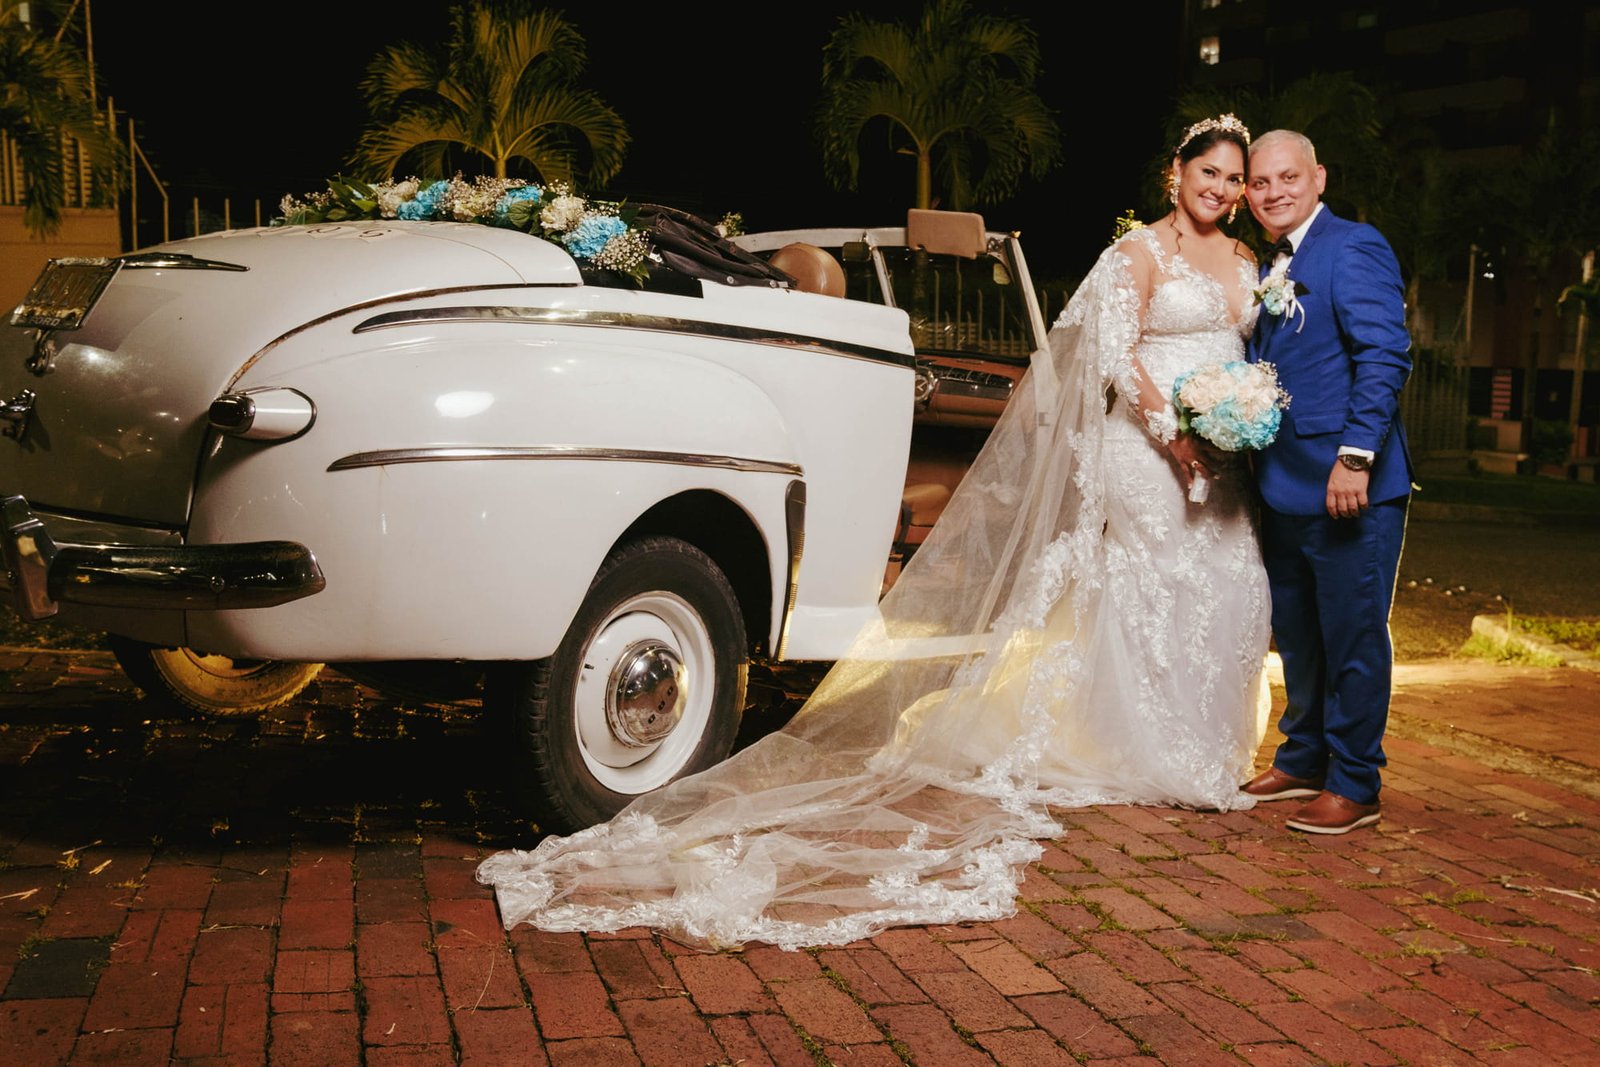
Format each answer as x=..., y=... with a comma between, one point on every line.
x=1343, y=366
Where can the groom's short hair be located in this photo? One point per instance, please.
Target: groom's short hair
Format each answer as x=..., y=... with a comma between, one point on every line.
x=1294, y=137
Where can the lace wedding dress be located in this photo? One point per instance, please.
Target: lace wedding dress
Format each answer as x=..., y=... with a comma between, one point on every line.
x=1073, y=632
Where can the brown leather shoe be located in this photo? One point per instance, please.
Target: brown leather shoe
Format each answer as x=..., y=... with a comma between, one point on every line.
x=1331, y=813
x=1273, y=784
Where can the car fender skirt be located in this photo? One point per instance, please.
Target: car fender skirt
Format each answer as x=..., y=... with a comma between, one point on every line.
x=42, y=574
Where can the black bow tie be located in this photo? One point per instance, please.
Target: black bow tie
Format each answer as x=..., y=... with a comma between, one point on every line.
x=1281, y=247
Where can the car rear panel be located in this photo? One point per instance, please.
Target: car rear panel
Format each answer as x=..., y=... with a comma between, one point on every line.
x=116, y=409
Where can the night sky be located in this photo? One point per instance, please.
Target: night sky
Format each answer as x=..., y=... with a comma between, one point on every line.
x=719, y=107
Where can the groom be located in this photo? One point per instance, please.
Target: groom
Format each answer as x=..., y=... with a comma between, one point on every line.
x=1335, y=485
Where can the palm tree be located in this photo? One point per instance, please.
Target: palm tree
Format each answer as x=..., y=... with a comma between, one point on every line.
x=954, y=90
x=499, y=97
x=45, y=93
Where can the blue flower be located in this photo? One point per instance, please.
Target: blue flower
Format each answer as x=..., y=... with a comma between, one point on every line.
x=501, y=216
x=591, y=233
x=425, y=205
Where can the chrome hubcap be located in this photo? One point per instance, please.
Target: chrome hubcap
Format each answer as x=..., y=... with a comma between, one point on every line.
x=643, y=699
x=647, y=693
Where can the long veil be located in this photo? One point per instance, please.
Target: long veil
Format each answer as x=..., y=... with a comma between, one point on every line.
x=908, y=788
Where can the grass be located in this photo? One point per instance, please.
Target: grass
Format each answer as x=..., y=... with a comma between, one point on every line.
x=1581, y=634
x=1496, y=651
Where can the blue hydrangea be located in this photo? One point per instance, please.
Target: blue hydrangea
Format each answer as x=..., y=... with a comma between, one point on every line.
x=502, y=208
x=426, y=204
x=591, y=233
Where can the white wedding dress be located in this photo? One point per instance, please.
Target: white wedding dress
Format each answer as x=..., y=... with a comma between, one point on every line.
x=1073, y=632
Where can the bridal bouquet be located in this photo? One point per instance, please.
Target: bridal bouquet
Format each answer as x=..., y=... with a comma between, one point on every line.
x=1237, y=406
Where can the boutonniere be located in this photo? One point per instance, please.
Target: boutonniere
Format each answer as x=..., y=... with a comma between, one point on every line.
x=1279, y=294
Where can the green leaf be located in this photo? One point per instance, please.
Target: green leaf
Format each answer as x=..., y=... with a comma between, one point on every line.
x=523, y=214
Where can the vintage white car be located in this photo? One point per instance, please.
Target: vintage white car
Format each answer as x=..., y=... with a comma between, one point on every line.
x=447, y=460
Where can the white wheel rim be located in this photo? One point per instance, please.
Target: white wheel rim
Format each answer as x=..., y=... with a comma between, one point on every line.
x=670, y=620
x=221, y=667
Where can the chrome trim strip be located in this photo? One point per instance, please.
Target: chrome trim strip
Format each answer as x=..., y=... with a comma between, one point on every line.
x=794, y=521
x=387, y=457
x=174, y=261
x=974, y=390
x=42, y=574
x=627, y=320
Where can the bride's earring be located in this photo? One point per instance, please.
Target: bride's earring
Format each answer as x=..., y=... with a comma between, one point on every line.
x=1172, y=187
x=1234, y=210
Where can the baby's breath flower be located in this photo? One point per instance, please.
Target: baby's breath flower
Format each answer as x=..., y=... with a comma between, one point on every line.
x=625, y=252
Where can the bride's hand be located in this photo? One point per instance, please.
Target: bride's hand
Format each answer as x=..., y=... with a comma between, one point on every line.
x=1192, y=457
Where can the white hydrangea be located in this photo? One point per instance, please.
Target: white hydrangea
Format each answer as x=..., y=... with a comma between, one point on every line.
x=561, y=212
x=391, y=194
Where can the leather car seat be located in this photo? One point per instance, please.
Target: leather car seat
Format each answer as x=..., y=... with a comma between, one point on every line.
x=921, y=504
x=813, y=269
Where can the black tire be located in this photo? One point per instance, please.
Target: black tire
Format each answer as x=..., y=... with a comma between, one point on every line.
x=659, y=591
x=185, y=680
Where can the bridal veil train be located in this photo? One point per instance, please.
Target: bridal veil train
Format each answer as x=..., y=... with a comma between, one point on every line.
x=1073, y=632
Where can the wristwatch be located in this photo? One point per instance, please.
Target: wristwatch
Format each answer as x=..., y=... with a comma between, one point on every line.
x=1355, y=462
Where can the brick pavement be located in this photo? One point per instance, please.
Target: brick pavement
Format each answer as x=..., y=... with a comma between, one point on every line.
x=296, y=888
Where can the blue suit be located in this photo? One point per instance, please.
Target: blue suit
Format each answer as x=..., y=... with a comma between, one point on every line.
x=1343, y=365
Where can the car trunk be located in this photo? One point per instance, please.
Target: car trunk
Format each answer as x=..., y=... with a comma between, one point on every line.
x=114, y=411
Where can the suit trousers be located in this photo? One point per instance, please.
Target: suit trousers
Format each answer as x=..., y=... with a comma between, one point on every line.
x=1332, y=584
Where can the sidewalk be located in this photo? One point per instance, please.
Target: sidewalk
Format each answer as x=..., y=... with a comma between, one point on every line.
x=297, y=888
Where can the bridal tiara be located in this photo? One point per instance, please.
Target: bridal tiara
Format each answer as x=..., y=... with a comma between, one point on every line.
x=1228, y=122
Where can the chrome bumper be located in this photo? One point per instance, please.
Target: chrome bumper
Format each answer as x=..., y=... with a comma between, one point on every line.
x=42, y=575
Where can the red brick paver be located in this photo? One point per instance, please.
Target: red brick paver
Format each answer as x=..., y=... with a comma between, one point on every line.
x=298, y=888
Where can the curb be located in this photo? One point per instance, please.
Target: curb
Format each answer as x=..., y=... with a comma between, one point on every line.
x=1494, y=628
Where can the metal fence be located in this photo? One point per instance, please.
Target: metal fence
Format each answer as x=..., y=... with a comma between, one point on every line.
x=1433, y=404
x=77, y=184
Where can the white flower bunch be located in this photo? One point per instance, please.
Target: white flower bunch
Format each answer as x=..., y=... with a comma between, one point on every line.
x=391, y=194
x=562, y=211
x=468, y=202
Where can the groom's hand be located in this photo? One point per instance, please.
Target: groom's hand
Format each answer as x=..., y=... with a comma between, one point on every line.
x=1347, y=492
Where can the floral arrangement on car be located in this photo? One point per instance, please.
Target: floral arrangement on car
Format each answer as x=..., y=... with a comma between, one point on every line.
x=1237, y=406
x=597, y=233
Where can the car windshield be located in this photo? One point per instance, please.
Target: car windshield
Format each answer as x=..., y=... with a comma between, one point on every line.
x=959, y=305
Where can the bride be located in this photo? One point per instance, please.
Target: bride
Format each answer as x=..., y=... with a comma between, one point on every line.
x=1075, y=631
